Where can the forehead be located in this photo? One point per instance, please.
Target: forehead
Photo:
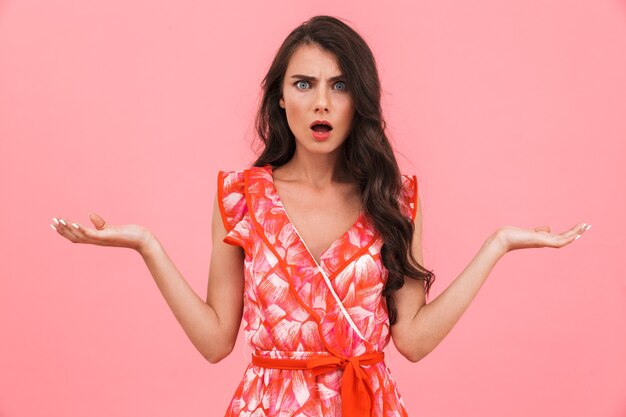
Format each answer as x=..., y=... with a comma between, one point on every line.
x=312, y=60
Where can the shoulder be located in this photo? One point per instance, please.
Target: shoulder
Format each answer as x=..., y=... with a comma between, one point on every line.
x=236, y=179
x=231, y=196
x=408, y=195
x=228, y=180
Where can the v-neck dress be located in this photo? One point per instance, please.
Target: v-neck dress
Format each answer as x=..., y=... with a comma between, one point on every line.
x=295, y=308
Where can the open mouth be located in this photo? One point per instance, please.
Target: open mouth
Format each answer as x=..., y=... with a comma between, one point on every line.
x=320, y=128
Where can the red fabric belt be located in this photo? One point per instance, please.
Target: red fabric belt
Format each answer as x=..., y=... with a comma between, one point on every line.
x=357, y=395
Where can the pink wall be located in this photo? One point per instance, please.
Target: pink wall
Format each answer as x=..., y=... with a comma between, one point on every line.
x=508, y=113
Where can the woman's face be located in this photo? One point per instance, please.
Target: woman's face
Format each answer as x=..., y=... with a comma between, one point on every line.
x=314, y=89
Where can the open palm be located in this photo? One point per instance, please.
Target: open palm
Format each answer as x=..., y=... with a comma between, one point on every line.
x=513, y=238
x=127, y=236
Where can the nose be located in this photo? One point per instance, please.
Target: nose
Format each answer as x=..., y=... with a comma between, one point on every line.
x=321, y=100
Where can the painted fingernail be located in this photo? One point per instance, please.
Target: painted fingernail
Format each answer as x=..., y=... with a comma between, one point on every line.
x=63, y=222
x=54, y=219
x=588, y=227
x=53, y=227
x=577, y=236
x=75, y=225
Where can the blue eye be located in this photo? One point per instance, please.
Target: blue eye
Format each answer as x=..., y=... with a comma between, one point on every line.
x=300, y=82
x=303, y=84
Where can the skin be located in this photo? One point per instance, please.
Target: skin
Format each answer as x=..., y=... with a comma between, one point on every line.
x=322, y=203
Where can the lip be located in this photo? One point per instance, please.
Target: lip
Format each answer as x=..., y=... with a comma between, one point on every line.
x=321, y=122
x=320, y=136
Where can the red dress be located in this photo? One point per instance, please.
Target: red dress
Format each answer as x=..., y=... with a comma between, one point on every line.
x=333, y=313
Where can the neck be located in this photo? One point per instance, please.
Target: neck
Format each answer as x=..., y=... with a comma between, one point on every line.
x=317, y=170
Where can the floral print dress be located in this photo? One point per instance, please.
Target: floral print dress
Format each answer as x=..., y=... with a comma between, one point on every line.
x=298, y=310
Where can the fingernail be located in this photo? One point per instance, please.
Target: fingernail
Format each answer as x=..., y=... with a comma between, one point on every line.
x=577, y=237
x=588, y=227
x=53, y=227
x=54, y=219
x=63, y=222
x=75, y=225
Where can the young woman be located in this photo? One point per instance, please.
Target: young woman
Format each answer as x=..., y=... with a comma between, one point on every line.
x=317, y=245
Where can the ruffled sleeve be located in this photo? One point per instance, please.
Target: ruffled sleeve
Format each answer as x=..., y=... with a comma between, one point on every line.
x=233, y=208
x=408, y=197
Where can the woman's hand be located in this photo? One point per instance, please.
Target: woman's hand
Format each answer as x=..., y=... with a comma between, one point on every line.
x=126, y=236
x=512, y=238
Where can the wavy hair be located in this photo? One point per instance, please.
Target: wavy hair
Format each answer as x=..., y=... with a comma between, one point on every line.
x=366, y=152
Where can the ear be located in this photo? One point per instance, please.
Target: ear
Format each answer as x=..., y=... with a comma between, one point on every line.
x=281, y=103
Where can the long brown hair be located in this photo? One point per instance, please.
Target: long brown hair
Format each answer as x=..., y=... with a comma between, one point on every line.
x=367, y=153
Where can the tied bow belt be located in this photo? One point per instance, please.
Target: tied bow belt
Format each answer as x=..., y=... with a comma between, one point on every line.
x=357, y=395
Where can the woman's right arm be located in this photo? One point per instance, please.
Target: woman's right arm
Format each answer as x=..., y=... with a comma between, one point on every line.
x=211, y=325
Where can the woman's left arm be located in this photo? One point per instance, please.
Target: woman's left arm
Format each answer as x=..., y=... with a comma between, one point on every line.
x=421, y=327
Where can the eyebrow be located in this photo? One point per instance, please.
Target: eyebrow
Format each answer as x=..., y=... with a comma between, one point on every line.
x=309, y=78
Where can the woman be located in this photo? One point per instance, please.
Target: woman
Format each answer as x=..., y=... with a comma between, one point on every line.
x=317, y=246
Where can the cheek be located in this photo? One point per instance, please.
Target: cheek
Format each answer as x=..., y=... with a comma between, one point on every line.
x=348, y=111
x=294, y=110
x=294, y=116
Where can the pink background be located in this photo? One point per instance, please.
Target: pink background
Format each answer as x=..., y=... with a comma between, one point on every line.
x=508, y=113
